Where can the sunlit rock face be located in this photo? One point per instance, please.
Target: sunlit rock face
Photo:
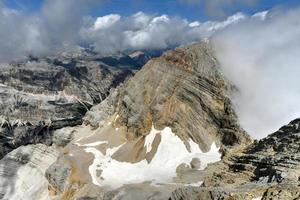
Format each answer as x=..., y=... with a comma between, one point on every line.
x=185, y=90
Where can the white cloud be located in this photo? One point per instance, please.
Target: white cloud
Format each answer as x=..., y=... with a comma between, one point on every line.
x=262, y=59
x=54, y=27
x=61, y=25
x=261, y=15
x=141, y=31
x=106, y=21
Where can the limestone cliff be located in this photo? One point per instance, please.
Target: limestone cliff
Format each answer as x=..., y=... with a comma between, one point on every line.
x=185, y=90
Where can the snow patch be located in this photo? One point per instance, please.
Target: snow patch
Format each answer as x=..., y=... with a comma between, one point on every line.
x=95, y=144
x=170, y=154
x=197, y=184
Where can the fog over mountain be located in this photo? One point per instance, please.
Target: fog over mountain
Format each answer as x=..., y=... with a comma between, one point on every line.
x=264, y=65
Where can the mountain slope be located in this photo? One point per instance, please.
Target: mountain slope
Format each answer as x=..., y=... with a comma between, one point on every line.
x=156, y=132
x=185, y=90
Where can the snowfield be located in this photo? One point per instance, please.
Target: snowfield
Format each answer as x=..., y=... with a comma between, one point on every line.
x=170, y=154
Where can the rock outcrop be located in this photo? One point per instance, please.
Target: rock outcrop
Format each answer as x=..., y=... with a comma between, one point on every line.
x=268, y=169
x=22, y=172
x=168, y=132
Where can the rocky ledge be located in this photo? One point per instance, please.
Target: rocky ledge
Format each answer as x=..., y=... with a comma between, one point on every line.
x=267, y=169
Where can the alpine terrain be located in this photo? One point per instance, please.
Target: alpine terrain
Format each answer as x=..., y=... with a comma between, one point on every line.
x=81, y=126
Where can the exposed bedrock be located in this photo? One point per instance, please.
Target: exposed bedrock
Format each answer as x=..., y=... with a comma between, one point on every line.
x=164, y=125
x=185, y=90
x=40, y=95
x=22, y=172
x=267, y=169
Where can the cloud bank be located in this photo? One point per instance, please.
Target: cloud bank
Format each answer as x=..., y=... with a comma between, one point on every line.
x=62, y=25
x=54, y=27
x=141, y=31
x=262, y=58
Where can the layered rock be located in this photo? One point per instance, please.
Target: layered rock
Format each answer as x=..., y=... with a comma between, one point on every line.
x=22, y=173
x=183, y=89
x=268, y=169
x=153, y=137
x=40, y=95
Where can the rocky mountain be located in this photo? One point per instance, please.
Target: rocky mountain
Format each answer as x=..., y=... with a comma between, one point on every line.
x=140, y=57
x=185, y=90
x=175, y=111
x=91, y=127
x=40, y=95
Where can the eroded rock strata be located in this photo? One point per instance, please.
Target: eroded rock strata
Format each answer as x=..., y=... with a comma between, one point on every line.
x=267, y=169
x=40, y=95
x=168, y=132
x=185, y=90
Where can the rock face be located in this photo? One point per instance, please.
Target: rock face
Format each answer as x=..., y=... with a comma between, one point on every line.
x=276, y=158
x=40, y=95
x=269, y=169
x=140, y=57
x=185, y=90
x=22, y=172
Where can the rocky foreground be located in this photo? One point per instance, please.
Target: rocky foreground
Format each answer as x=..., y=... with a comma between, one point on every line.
x=266, y=169
x=98, y=130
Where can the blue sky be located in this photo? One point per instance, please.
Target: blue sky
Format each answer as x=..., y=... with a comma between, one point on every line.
x=170, y=7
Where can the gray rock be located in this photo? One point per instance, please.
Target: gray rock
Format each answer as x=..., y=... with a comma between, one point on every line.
x=41, y=95
x=22, y=172
x=195, y=163
x=263, y=169
x=57, y=175
x=182, y=168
